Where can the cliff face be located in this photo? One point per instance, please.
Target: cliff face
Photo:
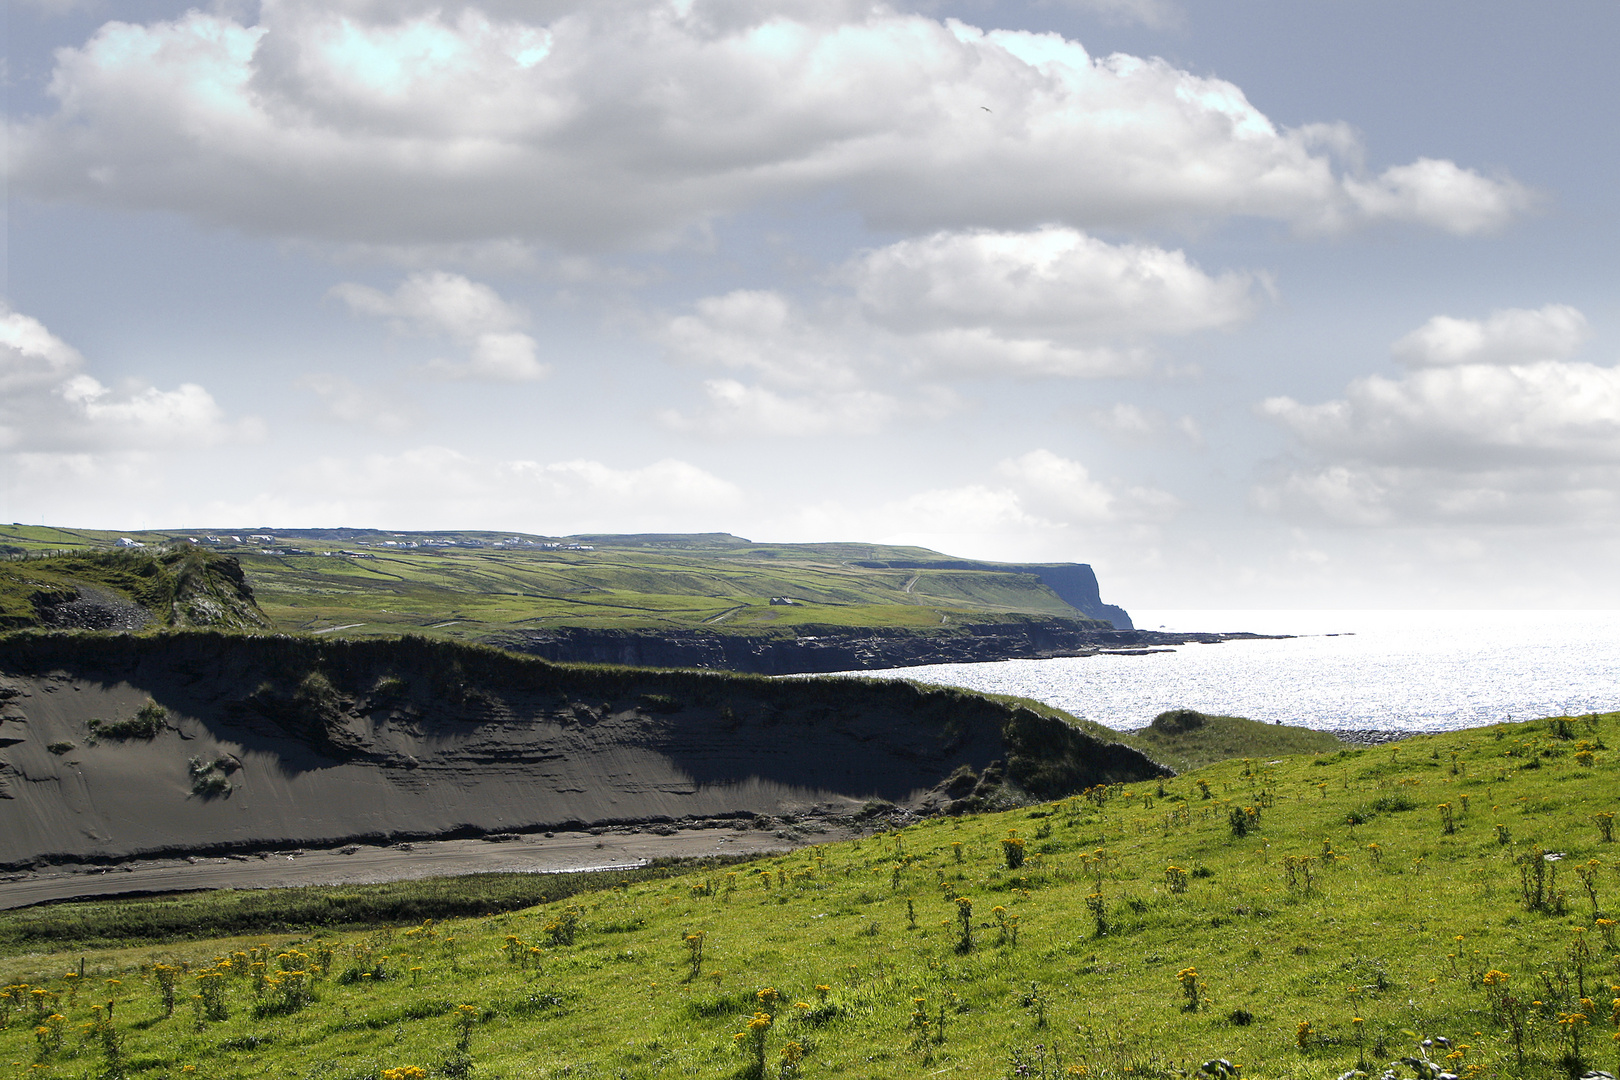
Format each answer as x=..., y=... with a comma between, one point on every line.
x=117, y=746
x=818, y=650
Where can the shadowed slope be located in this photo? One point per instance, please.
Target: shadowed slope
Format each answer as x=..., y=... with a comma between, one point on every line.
x=265, y=741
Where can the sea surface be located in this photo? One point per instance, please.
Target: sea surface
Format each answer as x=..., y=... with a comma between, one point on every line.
x=1345, y=670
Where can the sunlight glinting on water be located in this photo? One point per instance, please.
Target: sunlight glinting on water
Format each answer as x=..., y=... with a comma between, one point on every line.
x=1387, y=670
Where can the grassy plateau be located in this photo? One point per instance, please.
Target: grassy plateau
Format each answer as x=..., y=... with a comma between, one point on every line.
x=1444, y=904
x=470, y=586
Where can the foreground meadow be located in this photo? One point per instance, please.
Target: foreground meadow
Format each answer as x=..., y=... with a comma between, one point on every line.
x=1446, y=900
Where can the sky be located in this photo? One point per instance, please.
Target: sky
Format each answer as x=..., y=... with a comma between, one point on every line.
x=1258, y=303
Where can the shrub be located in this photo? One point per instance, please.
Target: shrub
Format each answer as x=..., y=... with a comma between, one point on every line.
x=1178, y=721
x=148, y=724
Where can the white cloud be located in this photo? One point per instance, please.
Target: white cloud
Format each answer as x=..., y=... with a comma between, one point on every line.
x=1051, y=302
x=1057, y=488
x=1509, y=336
x=1051, y=282
x=437, y=303
x=508, y=357
x=51, y=405
x=1471, y=415
x=434, y=302
x=1441, y=195
x=377, y=124
x=31, y=357
x=1479, y=438
x=763, y=332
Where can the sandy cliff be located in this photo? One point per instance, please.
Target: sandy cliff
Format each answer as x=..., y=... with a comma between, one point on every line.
x=269, y=741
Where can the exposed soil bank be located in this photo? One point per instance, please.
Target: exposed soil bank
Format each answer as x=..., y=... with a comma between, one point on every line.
x=276, y=743
x=821, y=650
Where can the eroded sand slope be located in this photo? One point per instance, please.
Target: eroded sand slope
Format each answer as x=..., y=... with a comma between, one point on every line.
x=276, y=741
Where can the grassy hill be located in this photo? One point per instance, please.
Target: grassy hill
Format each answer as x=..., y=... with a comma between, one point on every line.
x=99, y=588
x=478, y=585
x=1445, y=903
x=1186, y=739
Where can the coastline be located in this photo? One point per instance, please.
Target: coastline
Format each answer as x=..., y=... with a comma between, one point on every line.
x=817, y=650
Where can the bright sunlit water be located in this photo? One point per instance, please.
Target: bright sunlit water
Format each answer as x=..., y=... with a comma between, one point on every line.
x=1386, y=670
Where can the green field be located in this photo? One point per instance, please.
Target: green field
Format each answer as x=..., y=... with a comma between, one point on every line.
x=460, y=585
x=1298, y=916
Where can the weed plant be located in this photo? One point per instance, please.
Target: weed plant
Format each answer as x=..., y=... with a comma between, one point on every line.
x=1324, y=938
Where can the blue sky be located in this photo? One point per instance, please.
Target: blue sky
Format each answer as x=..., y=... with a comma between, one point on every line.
x=1253, y=303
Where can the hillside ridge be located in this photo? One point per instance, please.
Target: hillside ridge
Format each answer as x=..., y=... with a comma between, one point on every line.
x=889, y=605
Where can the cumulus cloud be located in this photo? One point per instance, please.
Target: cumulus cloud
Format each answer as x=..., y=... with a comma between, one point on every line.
x=1441, y=195
x=50, y=404
x=1467, y=415
x=1509, y=336
x=1049, y=302
x=629, y=121
x=763, y=332
x=1052, y=282
x=1479, y=438
x=440, y=304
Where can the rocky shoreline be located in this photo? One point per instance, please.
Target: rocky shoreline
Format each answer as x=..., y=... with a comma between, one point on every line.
x=821, y=650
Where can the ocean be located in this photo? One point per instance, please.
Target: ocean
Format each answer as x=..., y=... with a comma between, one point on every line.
x=1396, y=671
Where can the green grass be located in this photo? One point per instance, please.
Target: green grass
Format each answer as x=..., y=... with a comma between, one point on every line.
x=191, y=916
x=177, y=586
x=1305, y=919
x=1186, y=739
x=627, y=583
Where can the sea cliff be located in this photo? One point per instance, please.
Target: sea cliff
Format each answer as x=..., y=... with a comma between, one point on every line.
x=819, y=650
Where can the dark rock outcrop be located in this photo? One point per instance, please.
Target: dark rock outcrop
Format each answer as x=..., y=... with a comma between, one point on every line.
x=818, y=650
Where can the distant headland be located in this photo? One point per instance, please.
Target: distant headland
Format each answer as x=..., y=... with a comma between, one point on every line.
x=702, y=600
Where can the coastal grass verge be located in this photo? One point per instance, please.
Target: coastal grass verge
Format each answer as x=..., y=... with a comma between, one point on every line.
x=1446, y=903
x=1187, y=739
